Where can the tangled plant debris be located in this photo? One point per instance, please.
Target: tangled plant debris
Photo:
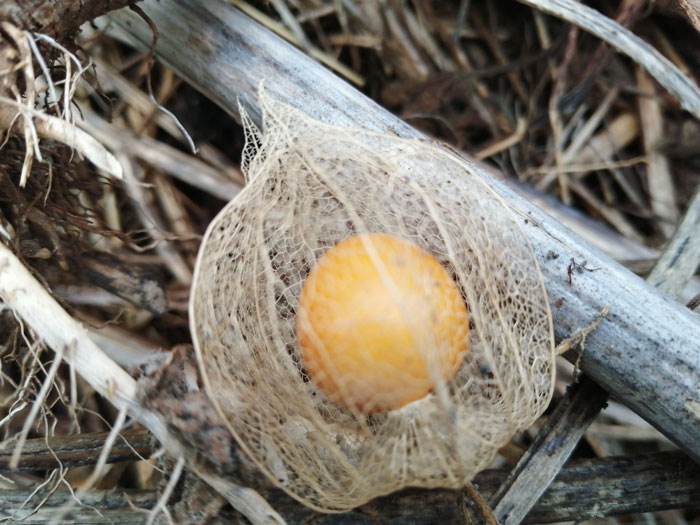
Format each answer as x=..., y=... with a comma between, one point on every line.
x=547, y=103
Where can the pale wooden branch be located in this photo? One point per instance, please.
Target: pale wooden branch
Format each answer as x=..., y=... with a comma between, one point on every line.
x=644, y=353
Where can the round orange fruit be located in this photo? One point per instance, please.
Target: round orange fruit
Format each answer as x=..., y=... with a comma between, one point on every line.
x=379, y=322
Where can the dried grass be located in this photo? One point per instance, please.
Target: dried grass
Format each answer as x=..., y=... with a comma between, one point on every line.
x=546, y=104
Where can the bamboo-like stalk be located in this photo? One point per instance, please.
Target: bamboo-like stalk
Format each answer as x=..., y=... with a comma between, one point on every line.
x=644, y=353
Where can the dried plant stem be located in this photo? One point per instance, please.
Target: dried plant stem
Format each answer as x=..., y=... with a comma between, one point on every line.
x=76, y=450
x=102, y=459
x=62, y=131
x=586, y=132
x=161, y=506
x=171, y=256
x=546, y=456
x=602, y=147
x=621, y=38
x=504, y=143
x=21, y=292
x=36, y=406
x=579, y=337
x=474, y=509
x=680, y=259
x=244, y=499
x=110, y=79
x=97, y=471
x=180, y=165
x=415, y=63
x=37, y=123
x=21, y=41
x=659, y=180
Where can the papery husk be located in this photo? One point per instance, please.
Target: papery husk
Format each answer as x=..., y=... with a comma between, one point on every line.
x=310, y=186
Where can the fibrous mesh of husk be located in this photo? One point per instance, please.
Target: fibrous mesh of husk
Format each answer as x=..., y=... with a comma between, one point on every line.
x=310, y=186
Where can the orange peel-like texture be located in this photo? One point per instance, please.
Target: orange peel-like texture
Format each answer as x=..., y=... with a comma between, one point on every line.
x=379, y=322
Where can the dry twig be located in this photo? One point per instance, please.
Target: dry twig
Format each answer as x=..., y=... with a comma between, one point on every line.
x=548, y=453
